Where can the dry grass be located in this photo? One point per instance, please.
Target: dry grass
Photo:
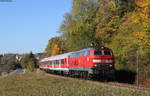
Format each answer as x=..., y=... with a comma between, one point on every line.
x=38, y=84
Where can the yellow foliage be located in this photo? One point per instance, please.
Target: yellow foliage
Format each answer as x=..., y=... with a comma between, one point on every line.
x=54, y=46
x=55, y=50
x=141, y=38
x=30, y=66
x=142, y=3
x=134, y=19
x=139, y=34
x=138, y=17
x=142, y=14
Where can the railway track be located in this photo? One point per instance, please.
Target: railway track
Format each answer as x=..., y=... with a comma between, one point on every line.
x=131, y=86
x=112, y=84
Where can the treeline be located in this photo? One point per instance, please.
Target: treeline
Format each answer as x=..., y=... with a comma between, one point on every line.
x=9, y=62
x=122, y=25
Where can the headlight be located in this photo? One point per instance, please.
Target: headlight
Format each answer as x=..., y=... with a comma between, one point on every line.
x=109, y=61
x=110, y=65
x=95, y=65
x=97, y=61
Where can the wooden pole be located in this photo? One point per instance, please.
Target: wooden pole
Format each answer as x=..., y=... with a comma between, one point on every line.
x=137, y=70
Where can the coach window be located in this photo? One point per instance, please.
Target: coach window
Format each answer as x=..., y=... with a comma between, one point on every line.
x=42, y=63
x=57, y=62
x=62, y=61
x=53, y=62
x=45, y=63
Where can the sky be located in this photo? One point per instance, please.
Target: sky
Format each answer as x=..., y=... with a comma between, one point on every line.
x=27, y=25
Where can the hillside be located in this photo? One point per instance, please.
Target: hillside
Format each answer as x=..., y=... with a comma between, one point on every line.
x=40, y=84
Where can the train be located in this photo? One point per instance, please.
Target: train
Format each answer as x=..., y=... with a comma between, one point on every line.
x=91, y=62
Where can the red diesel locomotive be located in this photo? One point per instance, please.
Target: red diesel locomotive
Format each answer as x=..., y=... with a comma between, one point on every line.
x=91, y=62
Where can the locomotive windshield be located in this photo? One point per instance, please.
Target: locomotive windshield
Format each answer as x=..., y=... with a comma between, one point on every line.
x=98, y=52
x=107, y=53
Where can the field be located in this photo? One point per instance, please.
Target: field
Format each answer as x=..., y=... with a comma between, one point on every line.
x=40, y=84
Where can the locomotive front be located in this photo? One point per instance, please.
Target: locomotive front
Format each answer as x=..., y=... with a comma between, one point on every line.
x=103, y=63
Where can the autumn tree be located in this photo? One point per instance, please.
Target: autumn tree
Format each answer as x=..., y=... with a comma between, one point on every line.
x=55, y=46
x=133, y=35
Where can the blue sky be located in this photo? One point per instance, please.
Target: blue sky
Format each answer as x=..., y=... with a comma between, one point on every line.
x=27, y=25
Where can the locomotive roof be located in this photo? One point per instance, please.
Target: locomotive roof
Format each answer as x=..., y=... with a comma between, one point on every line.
x=62, y=56
x=93, y=47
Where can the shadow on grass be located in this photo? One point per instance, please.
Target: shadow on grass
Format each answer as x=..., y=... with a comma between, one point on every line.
x=125, y=76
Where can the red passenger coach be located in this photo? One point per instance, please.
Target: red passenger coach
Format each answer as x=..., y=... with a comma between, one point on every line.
x=92, y=62
x=55, y=63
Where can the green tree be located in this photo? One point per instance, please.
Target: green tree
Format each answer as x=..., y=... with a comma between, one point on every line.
x=29, y=62
x=78, y=28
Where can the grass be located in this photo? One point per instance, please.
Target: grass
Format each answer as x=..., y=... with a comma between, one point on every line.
x=39, y=84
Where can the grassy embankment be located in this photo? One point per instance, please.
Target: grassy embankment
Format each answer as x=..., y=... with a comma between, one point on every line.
x=39, y=84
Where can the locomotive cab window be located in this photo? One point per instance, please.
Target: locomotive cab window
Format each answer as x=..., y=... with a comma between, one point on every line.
x=107, y=53
x=98, y=52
